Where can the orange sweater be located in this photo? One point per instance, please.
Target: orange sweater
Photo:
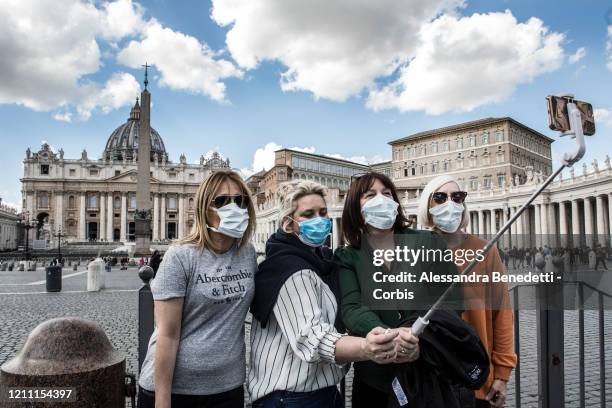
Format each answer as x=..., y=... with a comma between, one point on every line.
x=490, y=315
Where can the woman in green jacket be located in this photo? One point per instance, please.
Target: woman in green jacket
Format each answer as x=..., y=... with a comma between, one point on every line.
x=373, y=220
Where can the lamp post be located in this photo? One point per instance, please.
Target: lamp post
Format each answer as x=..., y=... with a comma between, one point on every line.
x=27, y=225
x=59, y=234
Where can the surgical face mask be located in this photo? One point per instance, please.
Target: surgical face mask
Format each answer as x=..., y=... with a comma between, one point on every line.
x=233, y=220
x=314, y=232
x=380, y=212
x=447, y=217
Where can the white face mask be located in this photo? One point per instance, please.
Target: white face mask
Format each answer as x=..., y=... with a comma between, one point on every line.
x=233, y=220
x=447, y=217
x=380, y=212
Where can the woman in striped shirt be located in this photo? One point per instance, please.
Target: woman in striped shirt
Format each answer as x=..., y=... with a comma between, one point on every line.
x=297, y=354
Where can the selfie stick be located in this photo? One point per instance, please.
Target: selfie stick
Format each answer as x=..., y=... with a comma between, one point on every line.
x=569, y=159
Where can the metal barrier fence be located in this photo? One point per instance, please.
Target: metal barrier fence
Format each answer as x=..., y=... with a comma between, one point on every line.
x=550, y=337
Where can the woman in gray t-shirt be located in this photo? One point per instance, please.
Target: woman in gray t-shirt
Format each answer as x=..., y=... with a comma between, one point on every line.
x=202, y=292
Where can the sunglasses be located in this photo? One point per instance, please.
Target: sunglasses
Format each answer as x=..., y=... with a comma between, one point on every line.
x=441, y=197
x=240, y=200
x=356, y=177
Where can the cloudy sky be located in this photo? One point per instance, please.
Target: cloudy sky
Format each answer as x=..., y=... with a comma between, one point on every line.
x=246, y=77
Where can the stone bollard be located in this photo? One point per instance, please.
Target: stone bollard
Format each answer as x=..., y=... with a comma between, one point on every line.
x=74, y=267
x=3, y=267
x=69, y=262
x=95, y=278
x=21, y=267
x=73, y=353
x=11, y=267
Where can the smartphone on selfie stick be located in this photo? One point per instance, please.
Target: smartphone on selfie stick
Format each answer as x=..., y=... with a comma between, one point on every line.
x=566, y=115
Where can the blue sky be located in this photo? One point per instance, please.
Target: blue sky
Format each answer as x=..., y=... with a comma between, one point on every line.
x=334, y=79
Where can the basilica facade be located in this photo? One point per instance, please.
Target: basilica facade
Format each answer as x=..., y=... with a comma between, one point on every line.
x=94, y=199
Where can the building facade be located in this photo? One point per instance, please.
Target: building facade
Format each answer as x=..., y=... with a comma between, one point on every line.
x=481, y=154
x=95, y=199
x=9, y=227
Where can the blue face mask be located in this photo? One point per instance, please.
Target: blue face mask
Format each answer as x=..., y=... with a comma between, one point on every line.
x=315, y=231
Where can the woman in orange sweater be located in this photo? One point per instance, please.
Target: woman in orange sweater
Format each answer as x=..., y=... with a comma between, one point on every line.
x=487, y=309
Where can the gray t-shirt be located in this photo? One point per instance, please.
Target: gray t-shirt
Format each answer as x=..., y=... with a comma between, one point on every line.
x=218, y=289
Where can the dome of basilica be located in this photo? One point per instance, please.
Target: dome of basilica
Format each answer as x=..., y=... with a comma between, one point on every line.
x=123, y=142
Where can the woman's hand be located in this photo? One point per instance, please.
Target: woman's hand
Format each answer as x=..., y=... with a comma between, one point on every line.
x=406, y=346
x=497, y=394
x=378, y=345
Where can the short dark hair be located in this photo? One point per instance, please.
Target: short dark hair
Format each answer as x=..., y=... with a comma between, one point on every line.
x=353, y=225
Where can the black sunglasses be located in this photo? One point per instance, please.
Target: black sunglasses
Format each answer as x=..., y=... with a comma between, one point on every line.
x=357, y=176
x=440, y=197
x=240, y=200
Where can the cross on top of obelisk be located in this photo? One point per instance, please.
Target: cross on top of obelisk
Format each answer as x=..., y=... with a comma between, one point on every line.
x=146, y=81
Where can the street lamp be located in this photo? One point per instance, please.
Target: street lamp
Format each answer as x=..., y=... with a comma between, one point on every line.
x=59, y=234
x=27, y=225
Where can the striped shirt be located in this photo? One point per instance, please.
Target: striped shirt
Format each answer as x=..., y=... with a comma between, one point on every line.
x=296, y=350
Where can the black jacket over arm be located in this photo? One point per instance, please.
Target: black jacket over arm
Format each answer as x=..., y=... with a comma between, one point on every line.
x=451, y=354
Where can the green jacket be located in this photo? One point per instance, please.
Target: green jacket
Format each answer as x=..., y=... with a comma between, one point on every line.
x=355, y=265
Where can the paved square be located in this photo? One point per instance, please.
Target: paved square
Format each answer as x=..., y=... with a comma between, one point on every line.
x=25, y=304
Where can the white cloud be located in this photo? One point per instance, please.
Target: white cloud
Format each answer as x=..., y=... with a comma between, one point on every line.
x=121, y=18
x=465, y=62
x=332, y=49
x=609, y=48
x=50, y=47
x=184, y=63
x=603, y=116
x=577, y=56
x=118, y=91
x=63, y=117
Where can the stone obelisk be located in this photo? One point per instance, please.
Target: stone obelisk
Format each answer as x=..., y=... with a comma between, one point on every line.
x=142, y=217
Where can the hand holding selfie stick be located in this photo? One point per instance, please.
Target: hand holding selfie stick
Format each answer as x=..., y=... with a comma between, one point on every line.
x=569, y=158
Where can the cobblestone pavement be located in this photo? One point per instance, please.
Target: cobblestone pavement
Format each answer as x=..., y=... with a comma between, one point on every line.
x=24, y=305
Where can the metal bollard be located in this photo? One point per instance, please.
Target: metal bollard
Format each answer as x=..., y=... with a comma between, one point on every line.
x=145, y=313
x=75, y=354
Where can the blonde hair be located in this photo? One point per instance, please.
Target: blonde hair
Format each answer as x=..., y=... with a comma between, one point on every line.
x=200, y=235
x=290, y=192
x=434, y=184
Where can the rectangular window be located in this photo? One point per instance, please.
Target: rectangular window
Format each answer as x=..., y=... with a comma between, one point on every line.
x=487, y=182
x=93, y=172
x=172, y=175
x=472, y=141
x=44, y=169
x=485, y=138
x=501, y=180
x=172, y=203
x=117, y=172
x=474, y=184
x=460, y=143
x=72, y=172
x=499, y=136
